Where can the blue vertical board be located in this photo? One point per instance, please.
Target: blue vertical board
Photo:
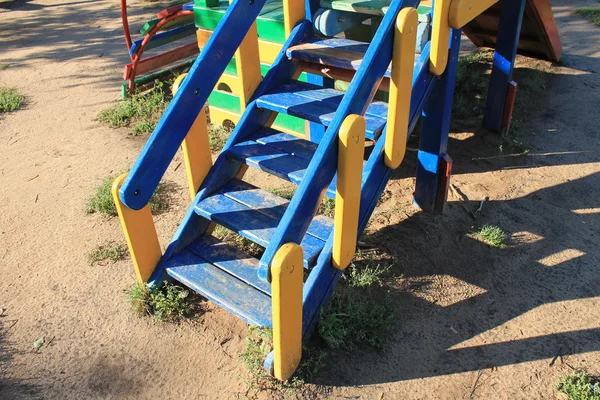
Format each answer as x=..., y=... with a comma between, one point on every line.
x=505, y=53
x=317, y=130
x=434, y=130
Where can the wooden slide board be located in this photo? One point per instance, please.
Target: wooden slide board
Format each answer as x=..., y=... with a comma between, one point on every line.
x=539, y=34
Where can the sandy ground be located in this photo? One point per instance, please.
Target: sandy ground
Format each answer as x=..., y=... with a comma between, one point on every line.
x=473, y=322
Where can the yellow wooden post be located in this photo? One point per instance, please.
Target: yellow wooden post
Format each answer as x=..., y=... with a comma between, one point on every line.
x=347, y=195
x=293, y=12
x=463, y=11
x=286, y=291
x=401, y=86
x=440, y=37
x=140, y=233
x=196, y=148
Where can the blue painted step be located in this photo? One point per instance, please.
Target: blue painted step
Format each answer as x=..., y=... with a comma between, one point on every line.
x=318, y=104
x=255, y=213
x=279, y=154
x=215, y=272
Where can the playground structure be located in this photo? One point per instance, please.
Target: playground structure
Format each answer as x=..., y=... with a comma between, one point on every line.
x=410, y=54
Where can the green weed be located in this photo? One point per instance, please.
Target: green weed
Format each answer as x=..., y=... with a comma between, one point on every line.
x=167, y=303
x=140, y=112
x=102, y=201
x=110, y=250
x=286, y=193
x=360, y=276
x=327, y=207
x=579, y=385
x=4, y=66
x=472, y=79
x=350, y=321
x=238, y=241
x=591, y=13
x=10, y=100
x=492, y=235
x=217, y=137
x=259, y=344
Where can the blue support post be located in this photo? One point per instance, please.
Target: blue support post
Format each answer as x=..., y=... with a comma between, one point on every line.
x=507, y=42
x=434, y=132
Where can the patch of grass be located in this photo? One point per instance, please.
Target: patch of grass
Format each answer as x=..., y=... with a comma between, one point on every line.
x=10, y=100
x=167, y=303
x=492, y=235
x=327, y=207
x=4, y=66
x=579, y=385
x=217, y=137
x=102, y=202
x=591, y=13
x=472, y=79
x=259, y=344
x=362, y=275
x=140, y=112
x=238, y=241
x=350, y=321
x=286, y=193
x=109, y=251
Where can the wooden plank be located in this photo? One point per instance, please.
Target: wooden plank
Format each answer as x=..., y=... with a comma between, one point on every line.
x=248, y=303
x=273, y=206
x=252, y=224
x=177, y=22
x=317, y=104
x=163, y=38
x=229, y=259
x=287, y=143
x=287, y=310
x=151, y=63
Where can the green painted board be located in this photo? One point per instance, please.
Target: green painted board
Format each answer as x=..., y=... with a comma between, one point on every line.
x=371, y=7
x=269, y=23
x=178, y=22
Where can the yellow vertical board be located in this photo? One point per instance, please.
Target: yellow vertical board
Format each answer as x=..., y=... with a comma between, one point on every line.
x=195, y=147
x=463, y=11
x=347, y=197
x=440, y=37
x=293, y=12
x=140, y=233
x=286, y=292
x=401, y=86
x=196, y=153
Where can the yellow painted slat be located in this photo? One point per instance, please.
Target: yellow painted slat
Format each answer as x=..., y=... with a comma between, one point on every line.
x=286, y=289
x=293, y=12
x=440, y=37
x=464, y=11
x=196, y=153
x=401, y=86
x=347, y=198
x=140, y=233
x=219, y=116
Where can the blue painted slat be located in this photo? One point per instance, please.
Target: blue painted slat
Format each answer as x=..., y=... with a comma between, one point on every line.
x=248, y=303
x=272, y=205
x=275, y=161
x=230, y=260
x=189, y=6
x=181, y=113
x=163, y=38
x=285, y=142
x=252, y=224
x=316, y=104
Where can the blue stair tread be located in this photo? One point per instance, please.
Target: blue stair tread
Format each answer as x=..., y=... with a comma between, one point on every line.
x=318, y=104
x=257, y=214
x=237, y=297
x=229, y=259
x=333, y=52
x=279, y=154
